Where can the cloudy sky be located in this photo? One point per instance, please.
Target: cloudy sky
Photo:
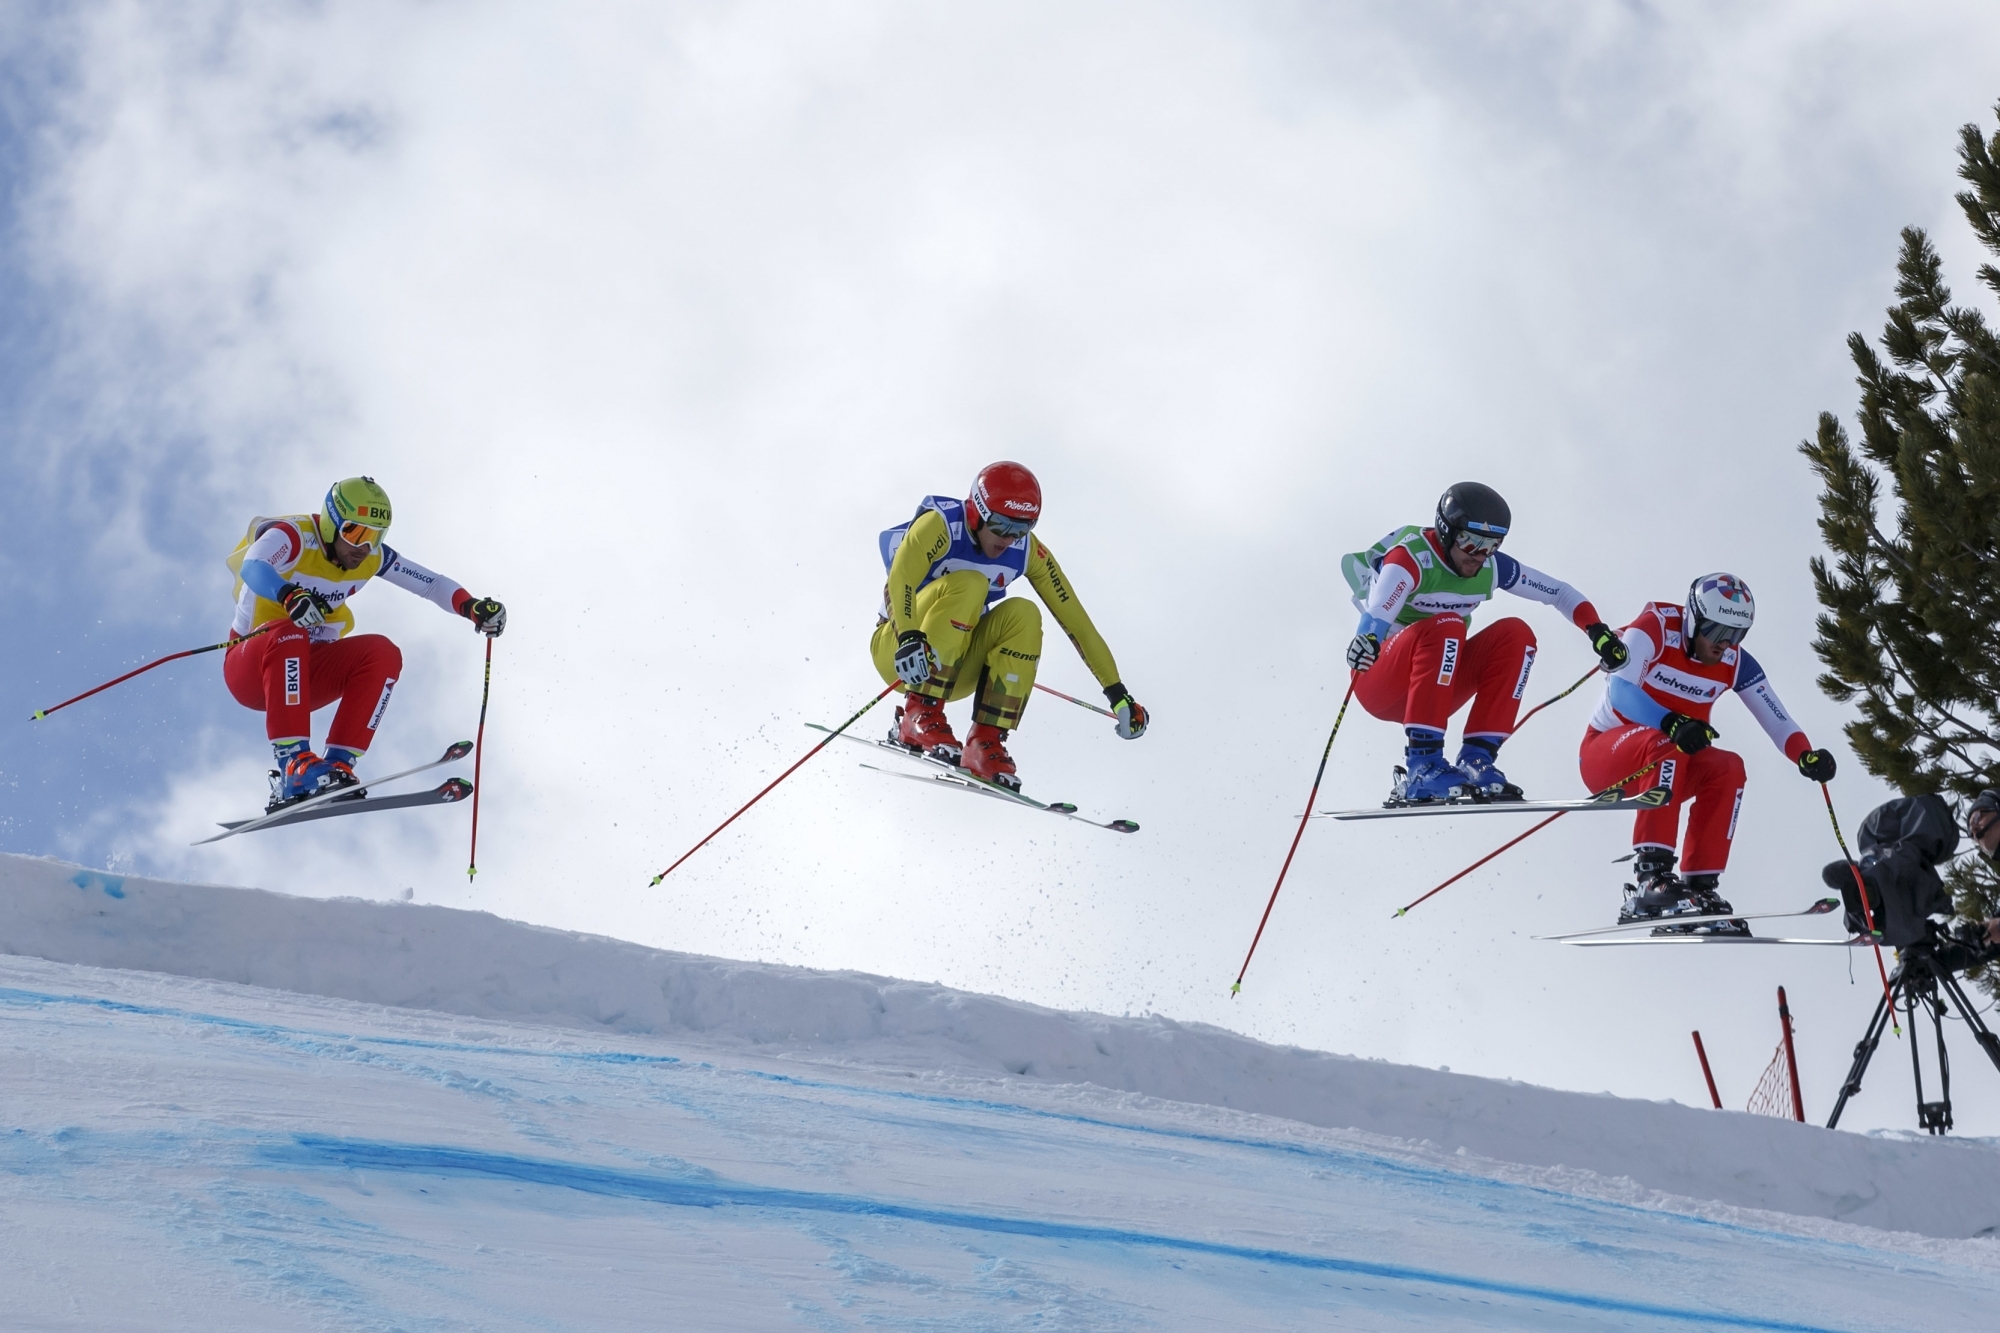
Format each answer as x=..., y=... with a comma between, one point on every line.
x=650, y=316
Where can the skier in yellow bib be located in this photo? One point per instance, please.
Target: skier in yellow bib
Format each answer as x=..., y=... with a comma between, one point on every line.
x=300, y=571
x=948, y=629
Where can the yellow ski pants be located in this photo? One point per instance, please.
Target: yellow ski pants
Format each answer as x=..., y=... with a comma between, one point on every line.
x=991, y=652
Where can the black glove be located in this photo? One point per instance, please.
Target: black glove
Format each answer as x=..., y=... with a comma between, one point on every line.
x=487, y=616
x=1362, y=652
x=1690, y=735
x=1132, y=718
x=306, y=607
x=1817, y=765
x=1610, y=649
x=914, y=659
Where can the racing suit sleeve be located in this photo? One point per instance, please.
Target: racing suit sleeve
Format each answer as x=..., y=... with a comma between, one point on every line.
x=1627, y=697
x=412, y=577
x=923, y=545
x=268, y=559
x=1393, y=584
x=1052, y=585
x=1757, y=695
x=1510, y=575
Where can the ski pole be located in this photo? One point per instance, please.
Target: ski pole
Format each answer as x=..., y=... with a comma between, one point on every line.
x=41, y=713
x=1867, y=913
x=1080, y=703
x=1580, y=681
x=1303, y=820
x=478, y=753
x=775, y=781
x=1616, y=786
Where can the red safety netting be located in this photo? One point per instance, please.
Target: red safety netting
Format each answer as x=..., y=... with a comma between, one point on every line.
x=1773, y=1095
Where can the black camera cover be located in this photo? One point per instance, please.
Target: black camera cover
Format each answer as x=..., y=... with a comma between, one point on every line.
x=1902, y=842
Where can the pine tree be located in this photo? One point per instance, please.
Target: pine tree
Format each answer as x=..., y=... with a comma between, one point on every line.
x=1911, y=627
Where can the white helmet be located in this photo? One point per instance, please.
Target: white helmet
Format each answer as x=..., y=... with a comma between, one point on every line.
x=1720, y=609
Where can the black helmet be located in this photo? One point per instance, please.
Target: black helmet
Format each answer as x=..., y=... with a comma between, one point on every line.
x=1470, y=508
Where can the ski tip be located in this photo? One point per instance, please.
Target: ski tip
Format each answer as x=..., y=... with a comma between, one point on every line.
x=1823, y=906
x=458, y=750
x=1124, y=826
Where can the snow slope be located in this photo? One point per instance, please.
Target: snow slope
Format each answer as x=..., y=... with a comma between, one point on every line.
x=583, y=1133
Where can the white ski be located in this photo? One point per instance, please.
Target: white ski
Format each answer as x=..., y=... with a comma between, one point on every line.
x=285, y=814
x=1858, y=942
x=1819, y=908
x=1609, y=800
x=952, y=776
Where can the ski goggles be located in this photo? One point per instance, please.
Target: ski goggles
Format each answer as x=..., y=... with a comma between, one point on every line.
x=1719, y=634
x=361, y=535
x=1007, y=527
x=1478, y=543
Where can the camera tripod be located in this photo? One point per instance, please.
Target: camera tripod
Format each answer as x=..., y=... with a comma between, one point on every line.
x=1922, y=978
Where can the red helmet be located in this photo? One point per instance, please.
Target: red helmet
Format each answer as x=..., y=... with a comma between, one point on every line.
x=1007, y=498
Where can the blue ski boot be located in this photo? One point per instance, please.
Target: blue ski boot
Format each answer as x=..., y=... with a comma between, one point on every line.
x=1475, y=760
x=306, y=774
x=1427, y=777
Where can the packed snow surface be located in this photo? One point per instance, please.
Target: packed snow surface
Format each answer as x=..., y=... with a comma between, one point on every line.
x=226, y=1109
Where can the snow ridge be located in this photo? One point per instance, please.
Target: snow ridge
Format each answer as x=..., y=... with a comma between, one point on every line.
x=481, y=966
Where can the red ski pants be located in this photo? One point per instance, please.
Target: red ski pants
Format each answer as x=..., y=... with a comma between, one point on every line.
x=1711, y=778
x=284, y=676
x=1428, y=671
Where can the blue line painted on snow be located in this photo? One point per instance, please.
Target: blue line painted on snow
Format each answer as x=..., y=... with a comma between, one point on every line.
x=1350, y=1158
x=314, y=1150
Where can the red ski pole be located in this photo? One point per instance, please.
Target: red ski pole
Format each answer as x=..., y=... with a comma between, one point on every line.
x=41, y=713
x=1616, y=786
x=1080, y=703
x=1282, y=870
x=775, y=781
x=1867, y=913
x=478, y=753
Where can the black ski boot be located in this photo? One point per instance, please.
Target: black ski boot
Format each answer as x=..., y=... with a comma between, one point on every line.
x=1703, y=900
x=1658, y=889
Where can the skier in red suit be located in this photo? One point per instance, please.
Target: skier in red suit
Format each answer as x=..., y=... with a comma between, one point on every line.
x=1651, y=729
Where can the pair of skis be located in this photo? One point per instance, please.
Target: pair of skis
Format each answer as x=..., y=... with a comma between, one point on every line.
x=1675, y=929
x=356, y=800
x=952, y=776
x=1626, y=932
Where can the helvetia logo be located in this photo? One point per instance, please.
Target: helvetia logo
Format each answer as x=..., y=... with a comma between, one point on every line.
x=292, y=682
x=1527, y=665
x=1450, y=662
x=382, y=704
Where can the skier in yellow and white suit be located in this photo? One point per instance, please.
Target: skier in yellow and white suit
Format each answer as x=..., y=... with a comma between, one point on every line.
x=948, y=629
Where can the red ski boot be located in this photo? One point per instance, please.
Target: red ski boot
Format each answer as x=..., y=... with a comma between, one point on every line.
x=986, y=757
x=921, y=725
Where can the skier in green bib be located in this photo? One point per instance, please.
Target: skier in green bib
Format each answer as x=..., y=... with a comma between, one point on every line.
x=1413, y=662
